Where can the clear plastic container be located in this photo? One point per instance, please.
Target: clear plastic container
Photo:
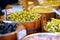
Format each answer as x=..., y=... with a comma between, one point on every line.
x=37, y=36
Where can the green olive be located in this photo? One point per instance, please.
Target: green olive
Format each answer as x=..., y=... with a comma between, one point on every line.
x=24, y=16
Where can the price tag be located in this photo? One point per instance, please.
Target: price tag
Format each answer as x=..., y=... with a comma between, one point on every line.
x=21, y=34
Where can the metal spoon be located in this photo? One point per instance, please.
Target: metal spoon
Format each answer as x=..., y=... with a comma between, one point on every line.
x=57, y=12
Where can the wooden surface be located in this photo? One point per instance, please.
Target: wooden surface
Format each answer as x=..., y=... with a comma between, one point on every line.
x=45, y=17
x=32, y=27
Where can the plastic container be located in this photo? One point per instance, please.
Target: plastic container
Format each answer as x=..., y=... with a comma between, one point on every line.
x=32, y=26
x=51, y=29
x=49, y=36
x=12, y=35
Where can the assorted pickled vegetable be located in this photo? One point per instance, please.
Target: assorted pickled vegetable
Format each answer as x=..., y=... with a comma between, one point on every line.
x=24, y=16
x=53, y=25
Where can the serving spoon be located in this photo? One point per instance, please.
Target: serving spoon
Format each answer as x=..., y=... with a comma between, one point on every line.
x=56, y=11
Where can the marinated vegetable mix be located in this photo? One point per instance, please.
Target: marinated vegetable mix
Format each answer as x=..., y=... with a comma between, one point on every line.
x=24, y=16
x=53, y=25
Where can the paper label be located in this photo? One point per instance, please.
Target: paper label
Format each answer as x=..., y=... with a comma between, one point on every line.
x=21, y=34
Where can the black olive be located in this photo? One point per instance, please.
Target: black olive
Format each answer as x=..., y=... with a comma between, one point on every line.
x=7, y=27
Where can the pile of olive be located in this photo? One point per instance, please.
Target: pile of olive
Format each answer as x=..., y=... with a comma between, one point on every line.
x=41, y=9
x=53, y=25
x=24, y=16
x=50, y=3
x=7, y=27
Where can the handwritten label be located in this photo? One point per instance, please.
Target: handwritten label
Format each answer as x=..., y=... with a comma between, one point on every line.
x=21, y=34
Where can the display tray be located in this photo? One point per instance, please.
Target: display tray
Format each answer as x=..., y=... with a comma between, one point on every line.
x=55, y=4
x=32, y=26
x=5, y=34
x=40, y=36
x=9, y=34
x=49, y=3
x=52, y=26
x=41, y=9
